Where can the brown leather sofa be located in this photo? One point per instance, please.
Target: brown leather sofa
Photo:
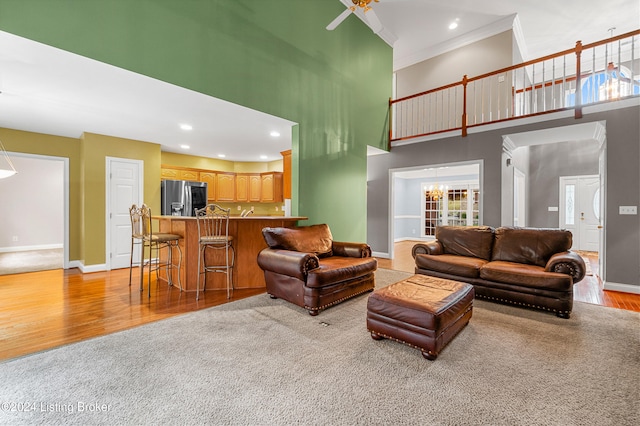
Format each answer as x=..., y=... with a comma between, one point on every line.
x=306, y=267
x=532, y=267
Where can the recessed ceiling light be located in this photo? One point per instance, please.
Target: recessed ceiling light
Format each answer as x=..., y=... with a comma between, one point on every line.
x=263, y=157
x=454, y=24
x=186, y=126
x=275, y=134
x=185, y=146
x=221, y=155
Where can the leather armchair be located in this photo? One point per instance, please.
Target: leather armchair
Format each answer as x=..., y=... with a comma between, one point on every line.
x=307, y=268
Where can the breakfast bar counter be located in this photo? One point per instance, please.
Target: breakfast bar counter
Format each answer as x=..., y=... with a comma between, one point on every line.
x=247, y=241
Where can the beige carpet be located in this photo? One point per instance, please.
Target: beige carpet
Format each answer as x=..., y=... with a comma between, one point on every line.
x=31, y=261
x=260, y=361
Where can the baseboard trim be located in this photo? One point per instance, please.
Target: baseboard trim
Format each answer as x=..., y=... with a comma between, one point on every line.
x=624, y=288
x=31, y=248
x=92, y=268
x=380, y=254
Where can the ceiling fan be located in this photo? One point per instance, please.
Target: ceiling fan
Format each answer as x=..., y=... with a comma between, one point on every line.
x=369, y=15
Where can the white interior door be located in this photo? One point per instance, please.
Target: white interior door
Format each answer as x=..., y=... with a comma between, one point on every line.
x=124, y=188
x=580, y=211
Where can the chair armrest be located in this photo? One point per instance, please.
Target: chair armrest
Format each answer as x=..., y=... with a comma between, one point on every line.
x=287, y=262
x=567, y=262
x=430, y=247
x=351, y=249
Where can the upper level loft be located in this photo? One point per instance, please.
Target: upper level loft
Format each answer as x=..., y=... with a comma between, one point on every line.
x=597, y=73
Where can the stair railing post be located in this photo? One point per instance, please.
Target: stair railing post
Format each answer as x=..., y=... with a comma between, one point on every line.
x=464, y=105
x=578, y=109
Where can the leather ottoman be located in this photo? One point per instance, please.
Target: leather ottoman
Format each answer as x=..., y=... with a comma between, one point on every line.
x=422, y=311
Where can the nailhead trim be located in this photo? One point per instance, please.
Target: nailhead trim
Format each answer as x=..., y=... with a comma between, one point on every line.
x=544, y=308
x=319, y=308
x=418, y=347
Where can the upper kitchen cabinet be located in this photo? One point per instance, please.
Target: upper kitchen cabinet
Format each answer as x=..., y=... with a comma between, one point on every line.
x=210, y=179
x=248, y=187
x=179, y=174
x=271, y=187
x=225, y=186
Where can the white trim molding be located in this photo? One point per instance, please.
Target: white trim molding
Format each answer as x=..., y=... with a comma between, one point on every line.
x=624, y=288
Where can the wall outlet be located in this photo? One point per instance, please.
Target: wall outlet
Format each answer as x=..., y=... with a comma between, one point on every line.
x=628, y=209
x=15, y=238
x=552, y=209
x=239, y=208
x=276, y=208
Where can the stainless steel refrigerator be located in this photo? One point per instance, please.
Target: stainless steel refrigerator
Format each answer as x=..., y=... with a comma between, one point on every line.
x=182, y=198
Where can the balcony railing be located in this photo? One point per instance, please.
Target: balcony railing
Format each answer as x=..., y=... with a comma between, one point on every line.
x=605, y=71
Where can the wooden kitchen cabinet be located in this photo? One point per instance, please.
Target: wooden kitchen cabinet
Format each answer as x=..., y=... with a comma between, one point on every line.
x=179, y=173
x=286, y=175
x=242, y=187
x=264, y=187
x=248, y=187
x=255, y=187
x=271, y=187
x=225, y=186
x=210, y=179
x=169, y=173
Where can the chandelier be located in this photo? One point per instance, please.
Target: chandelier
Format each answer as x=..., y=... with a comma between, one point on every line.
x=436, y=192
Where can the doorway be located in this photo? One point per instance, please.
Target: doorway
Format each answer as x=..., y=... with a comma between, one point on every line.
x=35, y=217
x=415, y=212
x=580, y=210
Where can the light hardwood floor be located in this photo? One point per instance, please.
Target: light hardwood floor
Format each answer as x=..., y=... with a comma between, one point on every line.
x=42, y=310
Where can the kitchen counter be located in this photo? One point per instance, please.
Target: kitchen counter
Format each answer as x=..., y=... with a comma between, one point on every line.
x=247, y=240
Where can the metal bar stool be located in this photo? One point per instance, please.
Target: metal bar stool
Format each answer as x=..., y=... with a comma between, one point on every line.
x=213, y=231
x=142, y=234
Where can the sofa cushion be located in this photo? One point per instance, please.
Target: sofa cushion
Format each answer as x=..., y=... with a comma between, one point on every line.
x=337, y=269
x=316, y=239
x=451, y=264
x=525, y=275
x=532, y=246
x=470, y=241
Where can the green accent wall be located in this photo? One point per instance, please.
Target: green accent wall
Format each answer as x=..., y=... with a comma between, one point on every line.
x=274, y=56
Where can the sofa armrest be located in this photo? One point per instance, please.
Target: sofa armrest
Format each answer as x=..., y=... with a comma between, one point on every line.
x=567, y=262
x=431, y=247
x=351, y=249
x=287, y=262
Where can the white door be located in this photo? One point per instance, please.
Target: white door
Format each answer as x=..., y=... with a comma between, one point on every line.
x=124, y=188
x=580, y=211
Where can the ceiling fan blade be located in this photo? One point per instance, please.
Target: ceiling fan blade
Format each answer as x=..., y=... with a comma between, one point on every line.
x=373, y=21
x=339, y=19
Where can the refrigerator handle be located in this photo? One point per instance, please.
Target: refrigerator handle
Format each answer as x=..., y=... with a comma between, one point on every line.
x=188, y=205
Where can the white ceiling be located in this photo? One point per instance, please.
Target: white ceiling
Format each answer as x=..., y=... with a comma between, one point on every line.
x=47, y=90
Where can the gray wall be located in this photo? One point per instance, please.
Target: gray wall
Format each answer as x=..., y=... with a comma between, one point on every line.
x=547, y=164
x=622, y=232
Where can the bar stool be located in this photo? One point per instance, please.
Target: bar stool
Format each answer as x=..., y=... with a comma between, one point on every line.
x=213, y=232
x=142, y=234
